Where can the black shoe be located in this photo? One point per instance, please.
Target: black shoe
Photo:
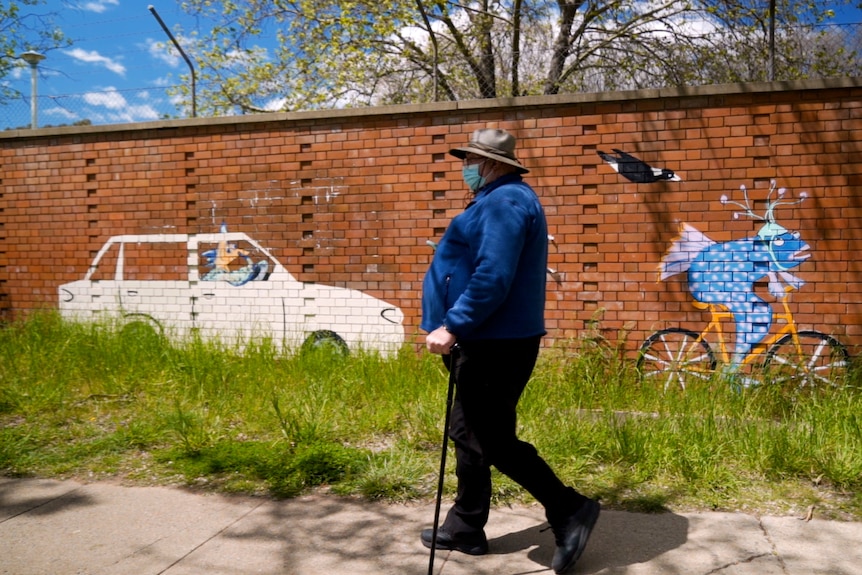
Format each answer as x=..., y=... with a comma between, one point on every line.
x=571, y=535
x=473, y=545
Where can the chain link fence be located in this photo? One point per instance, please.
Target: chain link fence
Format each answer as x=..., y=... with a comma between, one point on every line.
x=812, y=52
x=91, y=108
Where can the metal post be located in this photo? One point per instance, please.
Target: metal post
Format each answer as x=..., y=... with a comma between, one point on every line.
x=33, y=58
x=183, y=54
x=771, y=40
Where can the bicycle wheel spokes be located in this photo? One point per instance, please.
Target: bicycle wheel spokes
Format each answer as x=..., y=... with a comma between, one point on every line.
x=819, y=361
x=672, y=358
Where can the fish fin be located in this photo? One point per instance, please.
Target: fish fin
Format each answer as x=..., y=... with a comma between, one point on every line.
x=775, y=287
x=778, y=283
x=792, y=280
x=684, y=249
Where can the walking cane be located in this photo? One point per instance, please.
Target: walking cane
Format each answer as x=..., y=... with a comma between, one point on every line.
x=453, y=352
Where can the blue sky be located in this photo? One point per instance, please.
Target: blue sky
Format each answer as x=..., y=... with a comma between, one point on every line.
x=115, y=72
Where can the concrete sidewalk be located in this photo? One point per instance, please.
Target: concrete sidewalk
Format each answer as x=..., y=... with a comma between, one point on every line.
x=68, y=528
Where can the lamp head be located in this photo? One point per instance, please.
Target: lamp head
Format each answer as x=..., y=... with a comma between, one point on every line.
x=32, y=58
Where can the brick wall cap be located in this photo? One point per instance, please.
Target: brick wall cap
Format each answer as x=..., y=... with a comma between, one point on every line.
x=466, y=105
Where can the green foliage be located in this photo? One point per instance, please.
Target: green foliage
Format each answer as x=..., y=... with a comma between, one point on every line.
x=322, y=56
x=391, y=474
x=327, y=463
x=81, y=399
x=25, y=26
x=334, y=53
x=284, y=471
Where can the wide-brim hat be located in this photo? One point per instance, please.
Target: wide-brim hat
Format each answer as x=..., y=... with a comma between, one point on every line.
x=495, y=144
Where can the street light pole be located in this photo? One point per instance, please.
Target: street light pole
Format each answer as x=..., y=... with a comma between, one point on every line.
x=179, y=48
x=33, y=58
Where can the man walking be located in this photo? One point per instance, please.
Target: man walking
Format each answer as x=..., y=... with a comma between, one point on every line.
x=485, y=290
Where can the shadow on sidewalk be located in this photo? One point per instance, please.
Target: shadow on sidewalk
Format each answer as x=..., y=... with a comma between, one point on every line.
x=619, y=539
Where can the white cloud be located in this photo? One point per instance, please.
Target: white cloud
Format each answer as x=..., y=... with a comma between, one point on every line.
x=108, y=98
x=62, y=113
x=158, y=51
x=138, y=113
x=93, y=57
x=98, y=6
x=275, y=105
x=118, y=109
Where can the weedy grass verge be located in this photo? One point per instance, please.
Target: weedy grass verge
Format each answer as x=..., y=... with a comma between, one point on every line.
x=88, y=401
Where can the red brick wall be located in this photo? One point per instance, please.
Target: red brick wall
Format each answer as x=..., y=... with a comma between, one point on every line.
x=349, y=198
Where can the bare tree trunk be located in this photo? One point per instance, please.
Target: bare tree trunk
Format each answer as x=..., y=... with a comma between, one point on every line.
x=516, y=48
x=487, y=69
x=561, y=46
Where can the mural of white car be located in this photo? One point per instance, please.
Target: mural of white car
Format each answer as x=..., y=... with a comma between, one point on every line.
x=224, y=285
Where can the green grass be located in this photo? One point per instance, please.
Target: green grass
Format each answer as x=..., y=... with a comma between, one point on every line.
x=88, y=401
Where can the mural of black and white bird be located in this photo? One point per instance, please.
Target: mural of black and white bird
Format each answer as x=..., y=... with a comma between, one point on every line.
x=636, y=170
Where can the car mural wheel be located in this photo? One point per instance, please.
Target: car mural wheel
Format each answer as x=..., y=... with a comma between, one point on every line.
x=141, y=331
x=325, y=340
x=672, y=358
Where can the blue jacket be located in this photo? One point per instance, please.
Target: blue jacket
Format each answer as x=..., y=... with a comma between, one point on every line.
x=487, y=278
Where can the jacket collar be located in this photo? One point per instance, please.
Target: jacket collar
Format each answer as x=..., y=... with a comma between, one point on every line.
x=501, y=181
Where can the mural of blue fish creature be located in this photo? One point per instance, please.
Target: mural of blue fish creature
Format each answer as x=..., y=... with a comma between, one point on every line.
x=725, y=273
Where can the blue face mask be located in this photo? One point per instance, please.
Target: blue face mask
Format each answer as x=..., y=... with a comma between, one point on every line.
x=471, y=176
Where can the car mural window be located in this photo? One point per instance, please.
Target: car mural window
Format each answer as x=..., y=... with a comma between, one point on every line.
x=107, y=267
x=152, y=261
x=235, y=262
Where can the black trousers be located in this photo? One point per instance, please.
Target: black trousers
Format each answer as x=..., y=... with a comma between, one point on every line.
x=490, y=376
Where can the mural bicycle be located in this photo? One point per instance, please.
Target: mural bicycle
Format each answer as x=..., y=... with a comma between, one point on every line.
x=721, y=278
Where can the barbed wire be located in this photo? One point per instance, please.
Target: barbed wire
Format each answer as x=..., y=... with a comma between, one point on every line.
x=817, y=52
